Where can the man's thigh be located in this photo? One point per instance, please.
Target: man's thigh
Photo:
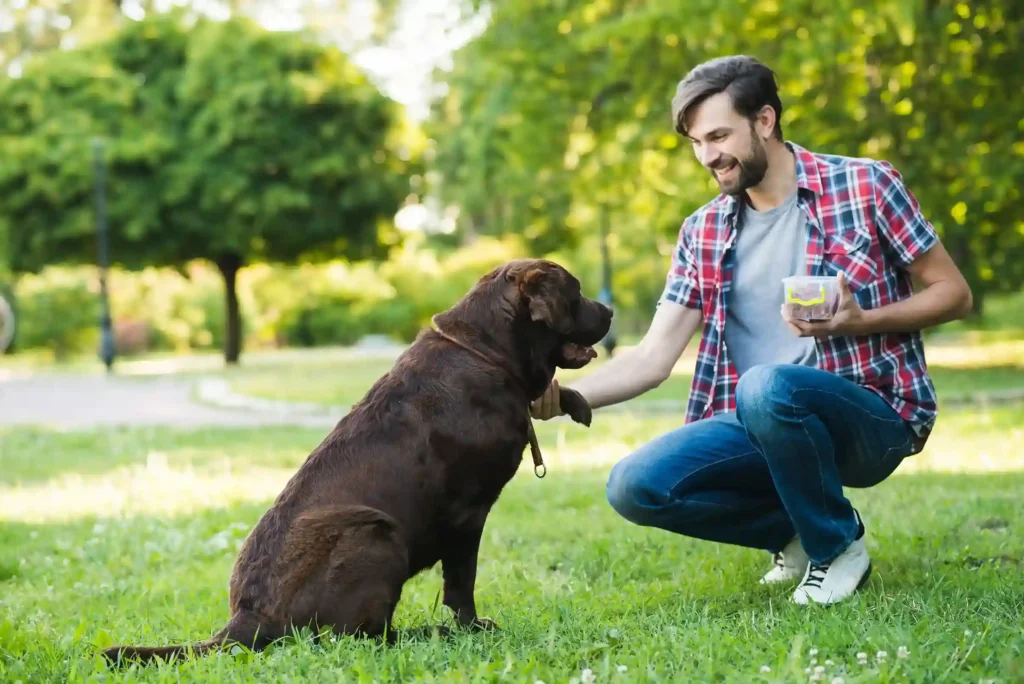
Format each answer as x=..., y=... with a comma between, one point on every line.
x=709, y=454
x=869, y=437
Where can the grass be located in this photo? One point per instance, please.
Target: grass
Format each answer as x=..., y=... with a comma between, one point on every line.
x=958, y=371
x=128, y=536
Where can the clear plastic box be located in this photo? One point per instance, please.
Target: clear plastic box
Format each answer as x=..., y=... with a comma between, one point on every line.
x=810, y=298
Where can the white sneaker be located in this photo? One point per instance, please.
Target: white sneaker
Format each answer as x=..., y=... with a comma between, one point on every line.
x=790, y=564
x=835, y=581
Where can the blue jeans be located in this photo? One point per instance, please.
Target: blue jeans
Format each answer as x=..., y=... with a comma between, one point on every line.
x=774, y=468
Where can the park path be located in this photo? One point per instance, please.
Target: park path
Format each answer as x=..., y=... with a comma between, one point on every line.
x=76, y=401
x=187, y=392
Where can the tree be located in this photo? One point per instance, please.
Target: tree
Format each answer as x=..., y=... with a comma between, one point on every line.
x=929, y=85
x=224, y=141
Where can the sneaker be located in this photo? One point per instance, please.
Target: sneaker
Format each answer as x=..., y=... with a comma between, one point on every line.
x=790, y=564
x=837, y=580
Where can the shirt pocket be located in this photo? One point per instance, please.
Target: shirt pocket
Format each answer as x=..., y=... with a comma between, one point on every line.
x=850, y=250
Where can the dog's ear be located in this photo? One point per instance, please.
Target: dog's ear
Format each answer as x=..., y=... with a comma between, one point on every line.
x=547, y=303
x=575, y=406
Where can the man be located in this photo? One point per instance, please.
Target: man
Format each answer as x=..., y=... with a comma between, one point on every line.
x=782, y=414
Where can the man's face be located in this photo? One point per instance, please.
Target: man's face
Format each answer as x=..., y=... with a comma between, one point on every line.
x=727, y=145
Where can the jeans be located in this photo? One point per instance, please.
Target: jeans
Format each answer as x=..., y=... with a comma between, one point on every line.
x=773, y=469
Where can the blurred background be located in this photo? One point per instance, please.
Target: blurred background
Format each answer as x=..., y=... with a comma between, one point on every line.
x=245, y=208
x=266, y=174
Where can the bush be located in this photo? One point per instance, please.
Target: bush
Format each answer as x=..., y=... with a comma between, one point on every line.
x=58, y=310
x=306, y=305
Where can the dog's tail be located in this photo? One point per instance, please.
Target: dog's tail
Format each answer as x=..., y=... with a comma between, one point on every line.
x=244, y=629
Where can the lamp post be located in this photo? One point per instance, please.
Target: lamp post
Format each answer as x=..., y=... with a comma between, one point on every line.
x=605, y=295
x=106, y=327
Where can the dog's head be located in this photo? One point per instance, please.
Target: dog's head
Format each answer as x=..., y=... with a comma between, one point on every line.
x=556, y=318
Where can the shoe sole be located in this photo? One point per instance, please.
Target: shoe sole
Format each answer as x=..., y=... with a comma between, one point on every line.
x=864, y=579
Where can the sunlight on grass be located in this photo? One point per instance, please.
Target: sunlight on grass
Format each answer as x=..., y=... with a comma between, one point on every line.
x=154, y=488
x=176, y=474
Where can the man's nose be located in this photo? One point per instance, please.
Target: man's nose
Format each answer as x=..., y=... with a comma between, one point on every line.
x=709, y=154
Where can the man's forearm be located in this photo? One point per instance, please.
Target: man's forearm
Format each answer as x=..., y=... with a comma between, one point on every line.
x=938, y=303
x=621, y=379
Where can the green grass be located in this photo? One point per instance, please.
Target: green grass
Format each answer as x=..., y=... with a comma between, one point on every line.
x=957, y=371
x=128, y=536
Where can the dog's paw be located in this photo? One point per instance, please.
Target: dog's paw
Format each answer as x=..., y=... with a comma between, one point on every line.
x=575, y=406
x=485, y=624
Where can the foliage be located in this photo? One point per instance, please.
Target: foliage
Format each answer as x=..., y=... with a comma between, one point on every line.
x=930, y=85
x=223, y=141
x=329, y=303
x=58, y=312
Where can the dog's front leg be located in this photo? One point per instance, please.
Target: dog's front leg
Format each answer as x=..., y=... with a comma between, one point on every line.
x=458, y=562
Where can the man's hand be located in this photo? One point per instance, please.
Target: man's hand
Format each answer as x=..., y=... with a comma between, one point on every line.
x=849, y=318
x=548, y=406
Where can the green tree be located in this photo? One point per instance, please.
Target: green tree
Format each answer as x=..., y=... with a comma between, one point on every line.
x=223, y=141
x=929, y=85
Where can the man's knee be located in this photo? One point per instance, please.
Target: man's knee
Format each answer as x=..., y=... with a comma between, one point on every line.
x=630, y=493
x=762, y=390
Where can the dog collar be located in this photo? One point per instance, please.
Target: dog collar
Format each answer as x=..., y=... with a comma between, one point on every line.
x=539, y=469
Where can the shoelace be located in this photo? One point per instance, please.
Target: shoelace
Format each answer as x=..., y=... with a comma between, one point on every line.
x=816, y=575
x=780, y=560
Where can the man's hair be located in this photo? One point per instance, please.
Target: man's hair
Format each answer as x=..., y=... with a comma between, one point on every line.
x=750, y=84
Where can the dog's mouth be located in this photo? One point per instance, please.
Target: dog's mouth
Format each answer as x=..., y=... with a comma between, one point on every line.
x=576, y=355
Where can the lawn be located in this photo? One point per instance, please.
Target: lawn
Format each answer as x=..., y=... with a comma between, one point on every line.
x=128, y=536
x=958, y=371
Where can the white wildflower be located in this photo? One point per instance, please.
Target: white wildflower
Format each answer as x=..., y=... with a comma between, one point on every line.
x=622, y=668
x=814, y=652
x=902, y=653
x=881, y=655
x=829, y=662
x=807, y=670
x=765, y=669
x=837, y=680
x=967, y=632
x=862, y=658
x=814, y=661
x=819, y=669
x=587, y=676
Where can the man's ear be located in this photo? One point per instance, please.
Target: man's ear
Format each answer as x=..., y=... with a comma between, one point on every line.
x=545, y=307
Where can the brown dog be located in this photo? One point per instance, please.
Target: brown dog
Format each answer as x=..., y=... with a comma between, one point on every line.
x=408, y=476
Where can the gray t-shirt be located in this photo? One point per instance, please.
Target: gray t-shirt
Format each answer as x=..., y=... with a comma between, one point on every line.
x=771, y=245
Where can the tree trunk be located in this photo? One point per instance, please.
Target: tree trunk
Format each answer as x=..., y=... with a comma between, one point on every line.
x=229, y=264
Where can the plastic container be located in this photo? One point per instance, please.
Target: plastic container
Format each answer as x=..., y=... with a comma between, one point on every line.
x=810, y=298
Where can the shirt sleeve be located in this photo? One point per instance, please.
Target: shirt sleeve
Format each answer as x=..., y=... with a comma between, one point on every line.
x=903, y=230
x=682, y=285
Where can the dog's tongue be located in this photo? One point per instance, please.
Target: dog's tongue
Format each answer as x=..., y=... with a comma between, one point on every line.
x=577, y=352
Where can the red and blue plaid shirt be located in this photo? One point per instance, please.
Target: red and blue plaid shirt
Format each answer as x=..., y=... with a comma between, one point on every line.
x=863, y=221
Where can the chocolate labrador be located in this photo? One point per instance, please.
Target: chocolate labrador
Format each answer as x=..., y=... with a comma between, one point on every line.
x=408, y=476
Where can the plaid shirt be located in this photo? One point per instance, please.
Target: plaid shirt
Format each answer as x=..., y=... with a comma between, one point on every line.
x=861, y=220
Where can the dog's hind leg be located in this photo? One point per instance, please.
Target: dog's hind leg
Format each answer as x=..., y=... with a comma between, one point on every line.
x=355, y=587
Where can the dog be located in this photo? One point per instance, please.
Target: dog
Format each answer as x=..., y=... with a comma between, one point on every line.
x=407, y=477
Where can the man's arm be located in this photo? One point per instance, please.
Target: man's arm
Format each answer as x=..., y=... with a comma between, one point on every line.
x=945, y=297
x=636, y=371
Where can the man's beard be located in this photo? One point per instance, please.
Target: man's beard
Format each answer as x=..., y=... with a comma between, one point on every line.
x=751, y=170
